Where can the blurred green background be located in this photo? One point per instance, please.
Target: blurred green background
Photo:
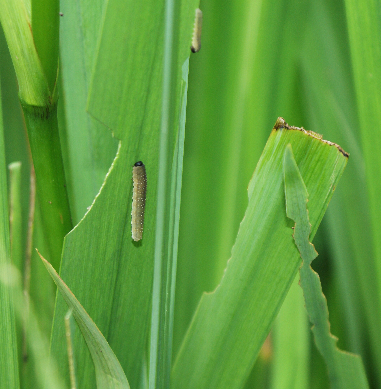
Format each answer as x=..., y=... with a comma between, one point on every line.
x=317, y=65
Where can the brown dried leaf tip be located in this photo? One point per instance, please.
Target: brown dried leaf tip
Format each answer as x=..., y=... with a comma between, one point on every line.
x=281, y=124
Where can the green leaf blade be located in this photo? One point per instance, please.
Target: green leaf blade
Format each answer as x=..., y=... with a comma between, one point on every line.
x=8, y=344
x=364, y=26
x=15, y=214
x=109, y=373
x=345, y=370
x=16, y=23
x=231, y=323
x=45, y=27
x=100, y=251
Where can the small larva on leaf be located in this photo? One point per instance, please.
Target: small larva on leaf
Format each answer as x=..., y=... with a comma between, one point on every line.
x=196, y=39
x=139, y=178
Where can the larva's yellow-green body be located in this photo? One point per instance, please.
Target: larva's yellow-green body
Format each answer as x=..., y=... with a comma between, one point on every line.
x=139, y=178
x=196, y=39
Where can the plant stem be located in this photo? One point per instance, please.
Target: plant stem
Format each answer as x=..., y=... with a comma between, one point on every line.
x=42, y=126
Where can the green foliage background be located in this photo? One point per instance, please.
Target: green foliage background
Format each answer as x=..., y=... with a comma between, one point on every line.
x=314, y=63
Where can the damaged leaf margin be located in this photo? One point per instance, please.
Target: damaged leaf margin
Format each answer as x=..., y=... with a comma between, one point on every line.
x=345, y=370
x=231, y=323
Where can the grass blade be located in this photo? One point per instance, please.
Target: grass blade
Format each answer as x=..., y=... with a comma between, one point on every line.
x=290, y=366
x=45, y=26
x=364, y=26
x=15, y=216
x=345, y=370
x=109, y=373
x=8, y=344
x=16, y=22
x=130, y=49
x=44, y=367
x=348, y=241
x=92, y=148
x=231, y=324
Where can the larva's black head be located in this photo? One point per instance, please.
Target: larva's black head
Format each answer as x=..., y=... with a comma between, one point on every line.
x=139, y=163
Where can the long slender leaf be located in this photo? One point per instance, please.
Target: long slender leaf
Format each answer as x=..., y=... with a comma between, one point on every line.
x=15, y=214
x=231, y=323
x=364, y=30
x=45, y=27
x=89, y=148
x=345, y=370
x=45, y=368
x=291, y=347
x=349, y=230
x=8, y=353
x=108, y=371
x=128, y=72
x=16, y=22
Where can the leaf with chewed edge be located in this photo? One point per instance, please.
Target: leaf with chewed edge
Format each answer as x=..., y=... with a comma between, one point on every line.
x=108, y=371
x=231, y=323
x=345, y=370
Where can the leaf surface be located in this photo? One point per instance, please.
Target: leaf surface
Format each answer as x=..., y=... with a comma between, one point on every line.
x=345, y=370
x=231, y=324
x=109, y=373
